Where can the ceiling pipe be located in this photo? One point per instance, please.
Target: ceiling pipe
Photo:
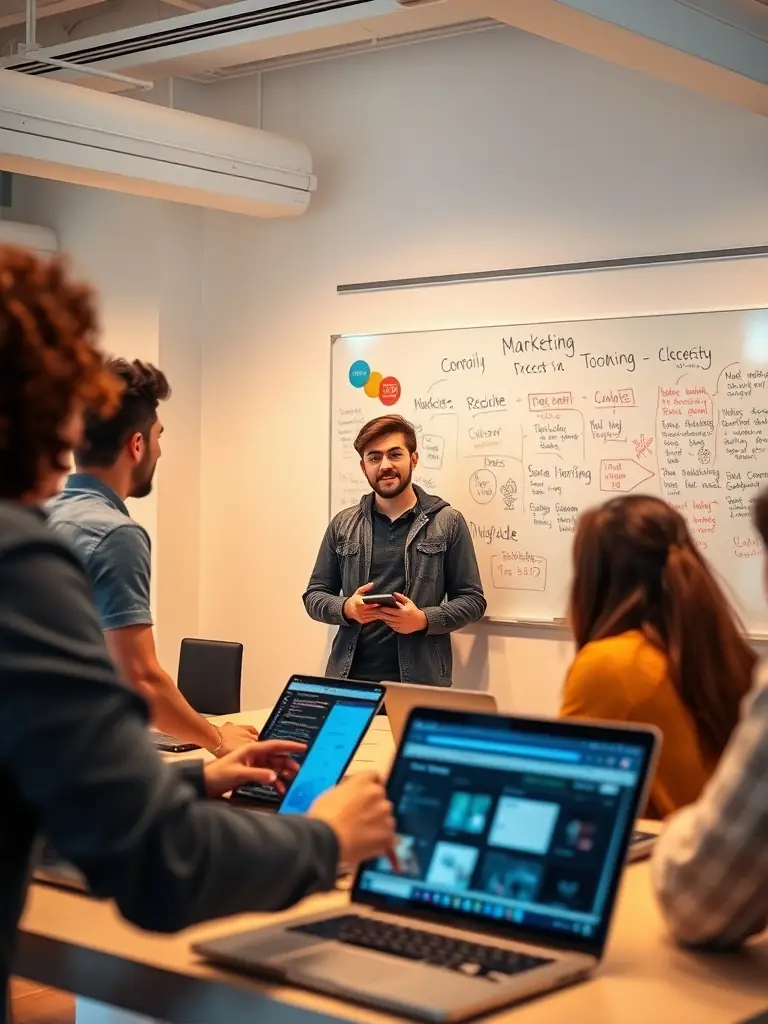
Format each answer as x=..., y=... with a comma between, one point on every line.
x=30, y=45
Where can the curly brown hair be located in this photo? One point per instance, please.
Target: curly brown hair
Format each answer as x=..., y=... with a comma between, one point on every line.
x=49, y=363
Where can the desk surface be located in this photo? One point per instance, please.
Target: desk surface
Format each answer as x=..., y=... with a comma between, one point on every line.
x=69, y=941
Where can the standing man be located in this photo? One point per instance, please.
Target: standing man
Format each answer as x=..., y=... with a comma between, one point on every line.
x=398, y=540
x=117, y=461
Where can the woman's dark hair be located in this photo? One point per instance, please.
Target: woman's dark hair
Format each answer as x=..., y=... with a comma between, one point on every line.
x=143, y=388
x=760, y=515
x=49, y=364
x=636, y=567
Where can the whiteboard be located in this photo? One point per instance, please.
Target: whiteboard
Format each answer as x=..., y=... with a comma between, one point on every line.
x=523, y=426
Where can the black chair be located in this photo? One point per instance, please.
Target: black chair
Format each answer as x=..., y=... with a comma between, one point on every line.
x=210, y=675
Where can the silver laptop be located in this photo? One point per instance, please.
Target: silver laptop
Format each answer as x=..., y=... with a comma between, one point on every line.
x=512, y=836
x=402, y=697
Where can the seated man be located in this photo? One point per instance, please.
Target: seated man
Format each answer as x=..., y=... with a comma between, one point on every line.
x=710, y=866
x=76, y=762
x=117, y=460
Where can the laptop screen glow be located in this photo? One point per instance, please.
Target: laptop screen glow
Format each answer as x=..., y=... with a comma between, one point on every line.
x=522, y=827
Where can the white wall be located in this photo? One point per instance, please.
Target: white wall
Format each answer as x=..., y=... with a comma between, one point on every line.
x=144, y=256
x=491, y=150
x=485, y=151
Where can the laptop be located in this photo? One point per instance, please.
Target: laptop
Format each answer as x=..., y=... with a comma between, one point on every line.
x=331, y=716
x=512, y=836
x=400, y=698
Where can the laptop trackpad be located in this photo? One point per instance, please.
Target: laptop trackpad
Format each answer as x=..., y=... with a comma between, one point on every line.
x=389, y=979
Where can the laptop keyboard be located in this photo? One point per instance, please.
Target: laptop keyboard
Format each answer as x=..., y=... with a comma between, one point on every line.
x=471, y=958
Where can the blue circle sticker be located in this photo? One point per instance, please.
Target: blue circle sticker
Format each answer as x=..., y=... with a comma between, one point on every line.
x=359, y=372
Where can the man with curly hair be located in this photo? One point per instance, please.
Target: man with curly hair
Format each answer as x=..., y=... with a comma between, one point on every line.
x=76, y=761
x=116, y=460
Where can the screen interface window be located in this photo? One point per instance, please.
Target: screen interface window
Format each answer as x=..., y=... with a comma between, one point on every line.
x=508, y=826
x=330, y=720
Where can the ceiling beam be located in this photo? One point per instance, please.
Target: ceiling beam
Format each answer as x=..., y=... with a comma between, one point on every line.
x=46, y=11
x=184, y=5
x=718, y=48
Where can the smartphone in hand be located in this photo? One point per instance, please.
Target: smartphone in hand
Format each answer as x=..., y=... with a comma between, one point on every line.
x=387, y=600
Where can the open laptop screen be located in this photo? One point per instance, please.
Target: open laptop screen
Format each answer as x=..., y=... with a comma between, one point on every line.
x=520, y=822
x=331, y=716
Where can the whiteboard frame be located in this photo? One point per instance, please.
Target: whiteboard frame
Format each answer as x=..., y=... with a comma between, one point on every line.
x=556, y=624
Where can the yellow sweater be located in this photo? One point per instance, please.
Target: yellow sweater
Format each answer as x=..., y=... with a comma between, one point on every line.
x=626, y=679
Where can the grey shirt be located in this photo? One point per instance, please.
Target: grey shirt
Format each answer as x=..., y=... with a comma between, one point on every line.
x=377, y=657
x=114, y=550
x=77, y=764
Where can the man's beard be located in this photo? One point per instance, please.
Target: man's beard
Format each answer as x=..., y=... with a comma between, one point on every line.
x=392, y=491
x=142, y=480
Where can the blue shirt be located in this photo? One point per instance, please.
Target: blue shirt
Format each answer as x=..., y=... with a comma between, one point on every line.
x=115, y=551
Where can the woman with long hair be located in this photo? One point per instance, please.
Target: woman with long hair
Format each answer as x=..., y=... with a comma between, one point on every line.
x=657, y=641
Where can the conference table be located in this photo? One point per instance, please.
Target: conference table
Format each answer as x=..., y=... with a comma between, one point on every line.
x=72, y=942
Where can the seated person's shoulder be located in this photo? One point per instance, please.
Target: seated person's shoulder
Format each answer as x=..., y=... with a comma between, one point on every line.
x=628, y=652
x=608, y=677
x=125, y=538
x=41, y=579
x=119, y=570
x=22, y=527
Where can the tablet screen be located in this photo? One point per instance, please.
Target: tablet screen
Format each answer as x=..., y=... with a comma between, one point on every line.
x=331, y=718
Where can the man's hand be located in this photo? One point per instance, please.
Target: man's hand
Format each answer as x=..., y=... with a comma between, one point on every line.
x=362, y=817
x=406, y=618
x=269, y=762
x=233, y=737
x=356, y=611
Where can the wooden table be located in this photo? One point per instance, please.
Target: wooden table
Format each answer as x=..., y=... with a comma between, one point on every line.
x=71, y=942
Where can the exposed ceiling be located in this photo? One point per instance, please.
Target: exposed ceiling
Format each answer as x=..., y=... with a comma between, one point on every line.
x=13, y=12
x=716, y=47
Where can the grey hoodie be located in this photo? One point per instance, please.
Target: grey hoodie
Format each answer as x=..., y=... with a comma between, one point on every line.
x=441, y=578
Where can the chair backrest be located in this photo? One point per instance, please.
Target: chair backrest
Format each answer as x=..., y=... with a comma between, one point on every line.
x=210, y=673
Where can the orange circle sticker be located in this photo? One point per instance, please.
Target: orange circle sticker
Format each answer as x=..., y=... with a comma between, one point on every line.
x=372, y=385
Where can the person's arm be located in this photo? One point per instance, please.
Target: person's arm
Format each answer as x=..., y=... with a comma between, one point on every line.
x=132, y=649
x=119, y=570
x=710, y=865
x=322, y=598
x=78, y=753
x=465, y=601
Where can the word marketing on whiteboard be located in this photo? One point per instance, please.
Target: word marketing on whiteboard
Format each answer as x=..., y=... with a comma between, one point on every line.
x=549, y=354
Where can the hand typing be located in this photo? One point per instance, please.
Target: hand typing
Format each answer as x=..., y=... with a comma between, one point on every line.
x=268, y=762
x=233, y=737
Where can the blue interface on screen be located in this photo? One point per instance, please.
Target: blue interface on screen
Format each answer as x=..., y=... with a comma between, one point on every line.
x=326, y=760
x=518, y=827
x=330, y=719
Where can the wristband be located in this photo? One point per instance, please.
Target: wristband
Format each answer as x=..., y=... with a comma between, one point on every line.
x=221, y=742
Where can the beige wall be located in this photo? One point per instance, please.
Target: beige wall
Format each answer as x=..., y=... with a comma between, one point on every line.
x=145, y=258
x=485, y=151
x=466, y=154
